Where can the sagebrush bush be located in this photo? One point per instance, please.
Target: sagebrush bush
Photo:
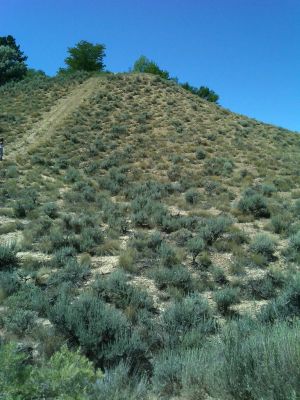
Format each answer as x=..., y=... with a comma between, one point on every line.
x=117, y=289
x=72, y=175
x=61, y=256
x=200, y=153
x=192, y=196
x=227, y=297
x=287, y=305
x=295, y=242
x=51, y=209
x=168, y=256
x=255, y=204
x=99, y=329
x=219, y=166
x=190, y=313
x=248, y=360
x=263, y=244
x=9, y=283
x=8, y=256
x=177, y=277
x=195, y=246
x=211, y=229
x=20, y=322
x=280, y=223
x=127, y=260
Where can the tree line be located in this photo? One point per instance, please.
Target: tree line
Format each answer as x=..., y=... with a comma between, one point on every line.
x=84, y=56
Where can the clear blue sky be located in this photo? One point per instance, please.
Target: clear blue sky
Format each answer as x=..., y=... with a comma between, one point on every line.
x=248, y=51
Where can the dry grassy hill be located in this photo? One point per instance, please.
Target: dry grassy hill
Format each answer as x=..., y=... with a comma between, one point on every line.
x=175, y=217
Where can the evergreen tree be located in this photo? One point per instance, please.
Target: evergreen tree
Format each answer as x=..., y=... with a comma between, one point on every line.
x=11, y=68
x=10, y=41
x=86, y=56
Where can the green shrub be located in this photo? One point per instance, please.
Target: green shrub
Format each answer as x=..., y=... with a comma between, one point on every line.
x=101, y=331
x=167, y=374
x=127, y=260
x=9, y=283
x=11, y=171
x=168, y=256
x=8, y=256
x=119, y=383
x=266, y=287
x=72, y=273
x=176, y=277
x=200, y=153
x=267, y=189
x=117, y=131
x=263, y=244
x=147, y=212
x=295, y=242
x=66, y=374
x=20, y=322
x=219, y=275
x=181, y=237
x=23, y=206
x=280, y=223
x=154, y=241
x=195, y=246
x=211, y=229
x=117, y=290
x=28, y=297
x=90, y=238
x=192, y=196
x=226, y=297
x=51, y=210
x=255, y=204
x=72, y=175
x=261, y=364
x=219, y=166
x=190, y=313
x=61, y=256
x=286, y=305
x=296, y=208
x=204, y=260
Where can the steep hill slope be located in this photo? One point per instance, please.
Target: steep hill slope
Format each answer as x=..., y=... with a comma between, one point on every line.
x=171, y=214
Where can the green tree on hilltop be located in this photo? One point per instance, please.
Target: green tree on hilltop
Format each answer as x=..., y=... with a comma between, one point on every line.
x=143, y=64
x=10, y=66
x=12, y=60
x=86, y=56
x=10, y=41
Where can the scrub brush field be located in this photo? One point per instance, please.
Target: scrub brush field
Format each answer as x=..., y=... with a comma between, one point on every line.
x=149, y=244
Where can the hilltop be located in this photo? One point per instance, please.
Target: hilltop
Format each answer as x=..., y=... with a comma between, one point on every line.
x=148, y=226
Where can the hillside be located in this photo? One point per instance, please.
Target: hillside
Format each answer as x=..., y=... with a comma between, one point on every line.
x=148, y=226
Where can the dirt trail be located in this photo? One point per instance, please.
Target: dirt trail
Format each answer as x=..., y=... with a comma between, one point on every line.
x=51, y=120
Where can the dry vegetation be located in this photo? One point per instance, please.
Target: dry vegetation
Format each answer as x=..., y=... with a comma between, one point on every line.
x=168, y=224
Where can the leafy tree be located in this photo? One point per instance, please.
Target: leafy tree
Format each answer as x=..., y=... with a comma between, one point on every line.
x=143, y=64
x=11, y=68
x=86, y=56
x=10, y=41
